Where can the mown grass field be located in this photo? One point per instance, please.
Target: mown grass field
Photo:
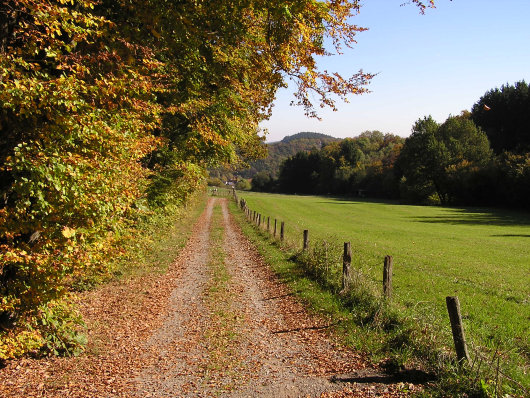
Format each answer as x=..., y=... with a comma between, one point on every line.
x=480, y=255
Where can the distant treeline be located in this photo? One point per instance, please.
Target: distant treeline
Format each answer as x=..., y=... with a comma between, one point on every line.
x=289, y=146
x=480, y=157
x=277, y=152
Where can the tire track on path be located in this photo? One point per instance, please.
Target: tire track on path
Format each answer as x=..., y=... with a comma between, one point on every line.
x=178, y=345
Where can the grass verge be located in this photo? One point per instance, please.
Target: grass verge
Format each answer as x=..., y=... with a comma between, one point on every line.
x=367, y=322
x=154, y=243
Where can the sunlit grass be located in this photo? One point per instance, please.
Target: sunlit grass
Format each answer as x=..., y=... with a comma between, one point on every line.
x=480, y=255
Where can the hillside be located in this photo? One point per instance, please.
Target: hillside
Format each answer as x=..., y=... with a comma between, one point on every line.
x=281, y=150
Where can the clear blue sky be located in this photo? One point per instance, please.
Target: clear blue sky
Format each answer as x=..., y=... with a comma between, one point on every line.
x=435, y=64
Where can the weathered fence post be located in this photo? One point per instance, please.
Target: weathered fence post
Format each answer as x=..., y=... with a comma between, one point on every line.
x=281, y=231
x=346, y=264
x=306, y=239
x=387, y=276
x=259, y=220
x=268, y=223
x=274, y=228
x=453, y=307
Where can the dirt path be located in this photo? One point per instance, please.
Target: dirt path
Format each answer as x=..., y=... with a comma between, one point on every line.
x=280, y=351
x=217, y=324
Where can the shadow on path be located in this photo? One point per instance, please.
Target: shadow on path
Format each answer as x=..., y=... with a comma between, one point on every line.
x=405, y=376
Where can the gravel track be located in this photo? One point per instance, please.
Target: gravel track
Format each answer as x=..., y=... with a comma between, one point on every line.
x=150, y=337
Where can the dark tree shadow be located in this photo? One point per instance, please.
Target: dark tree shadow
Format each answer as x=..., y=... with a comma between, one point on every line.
x=512, y=236
x=305, y=328
x=405, y=376
x=463, y=217
x=453, y=215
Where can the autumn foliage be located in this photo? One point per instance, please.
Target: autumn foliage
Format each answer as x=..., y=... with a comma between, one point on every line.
x=110, y=109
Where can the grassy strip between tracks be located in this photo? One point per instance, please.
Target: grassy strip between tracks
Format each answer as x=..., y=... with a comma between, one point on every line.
x=222, y=335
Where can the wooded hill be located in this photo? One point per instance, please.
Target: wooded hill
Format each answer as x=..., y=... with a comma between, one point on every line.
x=281, y=150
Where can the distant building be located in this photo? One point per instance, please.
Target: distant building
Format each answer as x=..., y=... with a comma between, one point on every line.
x=232, y=182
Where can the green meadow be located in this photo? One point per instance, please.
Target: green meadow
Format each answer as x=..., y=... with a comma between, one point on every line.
x=480, y=255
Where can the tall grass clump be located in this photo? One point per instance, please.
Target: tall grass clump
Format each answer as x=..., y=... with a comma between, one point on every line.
x=368, y=309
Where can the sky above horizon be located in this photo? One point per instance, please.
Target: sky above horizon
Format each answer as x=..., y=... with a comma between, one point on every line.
x=436, y=64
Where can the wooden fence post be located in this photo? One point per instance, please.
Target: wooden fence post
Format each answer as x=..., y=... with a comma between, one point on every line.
x=346, y=264
x=281, y=231
x=387, y=276
x=453, y=307
x=268, y=223
x=306, y=239
x=274, y=228
x=259, y=220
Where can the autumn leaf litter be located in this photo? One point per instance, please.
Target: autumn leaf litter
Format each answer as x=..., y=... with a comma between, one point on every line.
x=151, y=336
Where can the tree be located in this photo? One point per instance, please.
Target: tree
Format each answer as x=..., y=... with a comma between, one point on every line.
x=281, y=150
x=262, y=182
x=513, y=182
x=109, y=107
x=417, y=161
x=243, y=185
x=345, y=167
x=504, y=114
x=437, y=158
x=299, y=173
